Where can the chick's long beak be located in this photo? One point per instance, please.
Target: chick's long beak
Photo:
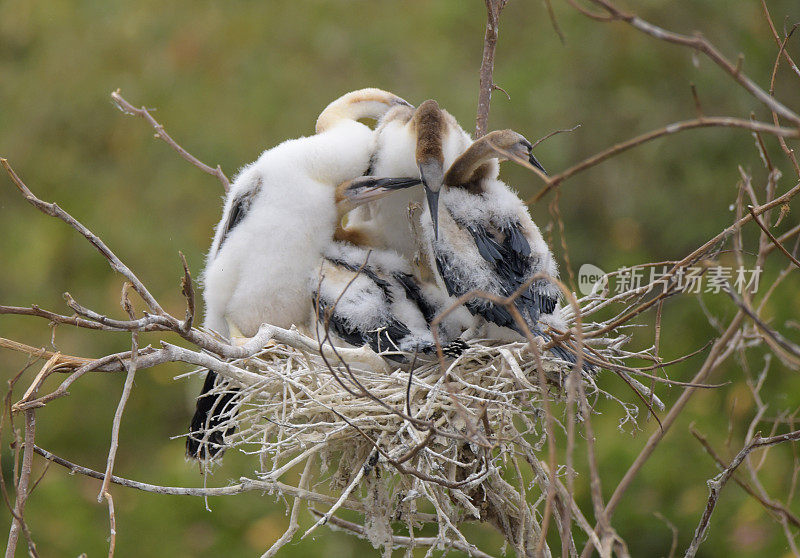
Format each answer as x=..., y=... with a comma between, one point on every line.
x=535, y=162
x=432, y=175
x=365, y=189
x=433, y=204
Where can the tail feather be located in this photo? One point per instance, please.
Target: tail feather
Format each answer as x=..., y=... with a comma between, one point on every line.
x=206, y=440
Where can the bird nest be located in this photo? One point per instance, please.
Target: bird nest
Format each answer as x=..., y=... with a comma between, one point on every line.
x=434, y=443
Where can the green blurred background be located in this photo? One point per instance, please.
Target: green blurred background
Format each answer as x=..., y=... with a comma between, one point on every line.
x=229, y=79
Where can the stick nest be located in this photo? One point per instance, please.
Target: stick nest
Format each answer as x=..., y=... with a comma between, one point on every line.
x=434, y=446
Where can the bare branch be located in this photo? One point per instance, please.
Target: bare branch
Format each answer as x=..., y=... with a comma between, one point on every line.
x=710, y=363
x=62, y=361
x=162, y=134
x=716, y=484
x=493, y=9
x=54, y=210
x=770, y=505
x=34, y=310
x=699, y=44
x=22, y=487
x=772, y=237
x=245, y=485
x=130, y=366
x=112, y=525
x=670, y=129
x=360, y=532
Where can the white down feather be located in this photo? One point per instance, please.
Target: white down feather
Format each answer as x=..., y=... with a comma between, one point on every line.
x=387, y=220
x=261, y=270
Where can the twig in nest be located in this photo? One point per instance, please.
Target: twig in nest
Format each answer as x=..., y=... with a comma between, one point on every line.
x=359, y=531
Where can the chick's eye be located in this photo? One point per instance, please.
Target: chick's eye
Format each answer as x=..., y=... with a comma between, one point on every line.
x=526, y=145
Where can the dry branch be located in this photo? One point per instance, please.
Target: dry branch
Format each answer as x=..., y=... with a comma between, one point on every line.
x=770, y=505
x=486, y=86
x=670, y=129
x=18, y=523
x=53, y=210
x=699, y=44
x=162, y=134
x=716, y=484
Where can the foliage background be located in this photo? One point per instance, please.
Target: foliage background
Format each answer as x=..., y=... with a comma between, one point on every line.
x=230, y=79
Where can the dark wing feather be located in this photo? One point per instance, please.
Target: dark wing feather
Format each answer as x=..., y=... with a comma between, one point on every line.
x=546, y=303
x=239, y=209
x=444, y=268
x=489, y=249
x=385, y=338
x=517, y=241
x=455, y=348
x=512, y=263
x=537, y=299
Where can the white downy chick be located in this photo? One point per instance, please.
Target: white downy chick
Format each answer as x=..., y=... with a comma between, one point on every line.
x=387, y=221
x=279, y=216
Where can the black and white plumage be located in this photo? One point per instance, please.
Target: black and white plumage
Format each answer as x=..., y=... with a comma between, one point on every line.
x=485, y=239
x=206, y=435
x=490, y=242
x=275, y=258
x=279, y=216
x=371, y=297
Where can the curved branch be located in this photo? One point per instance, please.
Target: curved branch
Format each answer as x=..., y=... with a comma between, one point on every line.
x=53, y=210
x=162, y=134
x=700, y=44
x=674, y=128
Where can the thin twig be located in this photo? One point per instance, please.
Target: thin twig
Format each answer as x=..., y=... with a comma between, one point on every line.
x=699, y=44
x=130, y=366
x=772, y=237
x=652, y=442
x=360, y=532
x=22, y=486
x=770, y=505
x=716, y=484
x=245, y=485
x=162, y=134
x=112, y=524
x=670, y=129
x=493, y=9
x=55, y=211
